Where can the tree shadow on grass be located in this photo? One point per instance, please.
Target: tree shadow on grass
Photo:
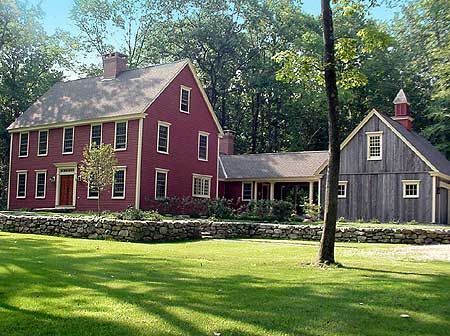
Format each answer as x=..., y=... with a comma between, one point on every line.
x=75, y=292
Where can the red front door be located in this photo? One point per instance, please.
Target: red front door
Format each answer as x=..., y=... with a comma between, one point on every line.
x=66, y=190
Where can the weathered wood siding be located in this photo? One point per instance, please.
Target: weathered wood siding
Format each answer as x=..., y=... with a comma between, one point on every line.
x=443, y=205
x=375, y=188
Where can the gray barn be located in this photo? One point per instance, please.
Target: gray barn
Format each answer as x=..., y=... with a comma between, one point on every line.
x=388, y=172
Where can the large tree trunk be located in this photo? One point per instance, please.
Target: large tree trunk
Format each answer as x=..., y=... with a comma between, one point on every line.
x=326, y=254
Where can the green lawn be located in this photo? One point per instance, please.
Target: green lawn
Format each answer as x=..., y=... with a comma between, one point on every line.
x=57, y=286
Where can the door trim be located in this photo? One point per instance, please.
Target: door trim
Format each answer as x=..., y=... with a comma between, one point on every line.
x=66, y=169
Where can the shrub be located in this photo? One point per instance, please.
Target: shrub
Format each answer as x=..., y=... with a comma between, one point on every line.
x=341, y=220
x=131, y=214
x=193, y=207
x=282, y=210
x=221, y=208
x=375, y=221
x=153, y=215
x=312, y=211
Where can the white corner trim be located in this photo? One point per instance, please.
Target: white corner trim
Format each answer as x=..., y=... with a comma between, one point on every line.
x=137, y=201
x=11, y=138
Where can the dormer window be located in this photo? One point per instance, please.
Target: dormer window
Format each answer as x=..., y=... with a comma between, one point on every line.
x=185, y=99
x=374, y=145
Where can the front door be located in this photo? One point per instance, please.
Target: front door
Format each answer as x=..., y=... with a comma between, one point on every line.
x=66, y=190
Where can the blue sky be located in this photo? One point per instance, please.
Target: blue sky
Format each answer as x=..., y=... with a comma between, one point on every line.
x=56, y=13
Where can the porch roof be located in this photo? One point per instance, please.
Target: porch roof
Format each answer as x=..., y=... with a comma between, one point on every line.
x=272, y=165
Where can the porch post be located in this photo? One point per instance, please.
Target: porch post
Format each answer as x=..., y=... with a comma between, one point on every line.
x=272, y=191
x=311, y=192
x=255, y=193
x=318, y=191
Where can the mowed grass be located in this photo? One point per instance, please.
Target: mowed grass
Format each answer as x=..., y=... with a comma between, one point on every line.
x=59, y=286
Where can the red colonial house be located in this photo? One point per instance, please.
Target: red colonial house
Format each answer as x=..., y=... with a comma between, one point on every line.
x=158, y=119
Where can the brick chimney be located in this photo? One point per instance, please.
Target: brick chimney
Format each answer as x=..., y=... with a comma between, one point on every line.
x=402, y=113
x=226, y=144
x=114, y=64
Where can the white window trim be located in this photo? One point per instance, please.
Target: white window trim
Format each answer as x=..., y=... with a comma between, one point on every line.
x=343, y=183
x=368, y=136
x=251, y=191
x=101, y=134
x=124, y=168
x=201, y=133
x=28, y=143
x=115, y=135
x=37, y=172
x=166, y=124
x=163, y=171
x=39, y=141
x=209, y=177
x=91, y=197
x=23, y=172
x=69, y=168
x=64, y=139
x=186, y=88
x=411, y=182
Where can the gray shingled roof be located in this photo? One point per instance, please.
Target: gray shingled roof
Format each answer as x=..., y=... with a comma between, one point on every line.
x=271, y=165
x=92, y=98
x=424, y=147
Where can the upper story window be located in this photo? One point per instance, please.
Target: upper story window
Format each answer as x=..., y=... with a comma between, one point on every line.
x=247, y=191
x=161, y=184
x=68, y=137
x=120, y=138
x=21, y=191
x=41, y=177
x=42, y=143
x=162, y=145
x=23, y=144
x=118, y=188
x=411, y=188
x=374, y=145
x=342, y=189
x=201, y=186
x=96, y=135
x=185, y=99
x=203, y=146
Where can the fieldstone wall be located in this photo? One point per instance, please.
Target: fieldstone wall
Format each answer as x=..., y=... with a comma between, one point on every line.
x=313, y=232
x=122, y=230
x=95, y=228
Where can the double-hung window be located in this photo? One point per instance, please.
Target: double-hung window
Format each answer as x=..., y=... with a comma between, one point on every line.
x=23, y=144
x=374, y=145
x=203, y=146
x=411, y=188
x=118, y=188
x=247, y=191
x=162, y=145
x=342, y=189
x=42, y=143
x=96, y=135
x=120, y=138
x=201, y=186
x=21, y=191
x=68, y=136
x=92, y=191
x=161, y=183
x=41, y=178
x=185, y=99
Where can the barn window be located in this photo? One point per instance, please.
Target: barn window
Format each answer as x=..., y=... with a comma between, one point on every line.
x=203, y=146
x=185, y=99
x=201, y=186
x=411, y=188
x=247, y=191
x=23, y=144
x=374, y=145
x=162, y=145
x=41, y=177
x=161, y=184
x=118, y=188
x=120, y=138
x=43, y=143
x=342, y=189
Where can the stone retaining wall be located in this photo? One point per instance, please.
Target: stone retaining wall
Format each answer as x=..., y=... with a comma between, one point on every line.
x=94, y=228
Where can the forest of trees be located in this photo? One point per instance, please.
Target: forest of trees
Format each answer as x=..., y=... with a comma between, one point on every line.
x=246, y=52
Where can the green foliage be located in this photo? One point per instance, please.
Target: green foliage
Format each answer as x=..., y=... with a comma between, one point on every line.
x=282, y=210
x=221, y=208
x=312, y=211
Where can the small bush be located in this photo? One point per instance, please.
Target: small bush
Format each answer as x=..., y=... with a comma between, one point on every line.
x=312, y=211
x=221, y=208
x=131, y=214
x=153, y=215
x=341, y=220
x=282, y=210
x=375, y=221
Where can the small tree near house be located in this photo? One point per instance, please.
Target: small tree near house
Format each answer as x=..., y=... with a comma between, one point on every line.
x=97, y=168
